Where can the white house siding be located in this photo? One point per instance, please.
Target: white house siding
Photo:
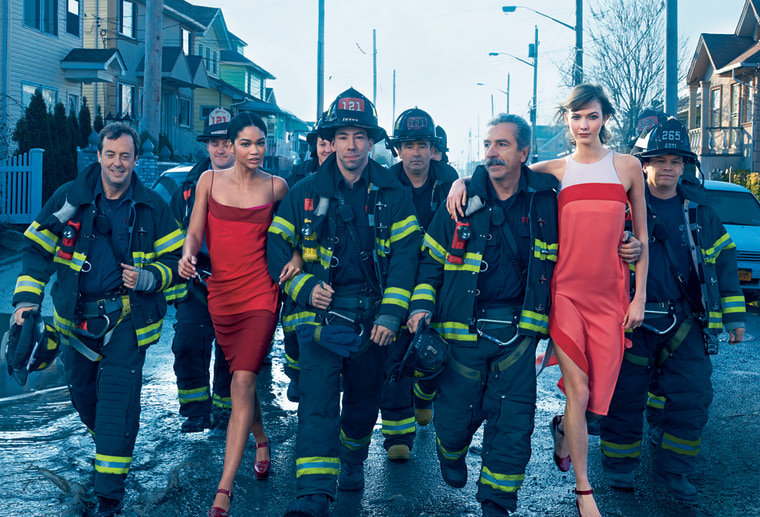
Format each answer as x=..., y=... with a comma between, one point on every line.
x=34, y=57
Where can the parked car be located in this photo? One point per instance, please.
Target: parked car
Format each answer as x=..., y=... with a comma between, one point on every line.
x=739, y=210
x=170, y=180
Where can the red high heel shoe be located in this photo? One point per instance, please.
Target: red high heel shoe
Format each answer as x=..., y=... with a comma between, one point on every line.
x=563, y=464
x=261, y=468
x=216, y=511
x=581, y=492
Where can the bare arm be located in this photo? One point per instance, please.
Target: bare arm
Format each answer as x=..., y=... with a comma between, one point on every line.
x=633, y=175
x=554, y=167
x=196, y=228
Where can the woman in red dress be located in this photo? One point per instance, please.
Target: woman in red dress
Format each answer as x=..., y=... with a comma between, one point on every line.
x=590, y=297
x=234, y=208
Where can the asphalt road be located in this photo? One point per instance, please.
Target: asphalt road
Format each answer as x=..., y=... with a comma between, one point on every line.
x=46, y=455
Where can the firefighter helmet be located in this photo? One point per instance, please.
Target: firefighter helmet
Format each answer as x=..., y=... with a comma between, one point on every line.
x=30, y=347
x=351, y=108
x=669, y=137
x=426, y=355
x=443, y=142
x=413, y=125
x=311, y=136
x=215, y=125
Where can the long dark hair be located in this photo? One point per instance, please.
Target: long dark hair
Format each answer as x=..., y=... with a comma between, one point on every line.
x=243, y=120
x=580, y=97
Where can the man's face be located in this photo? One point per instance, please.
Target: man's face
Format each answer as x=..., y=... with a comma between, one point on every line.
x=416, y=156
x=352, y=147
x=324, y=149
x=117, y=162
x=436, y=154
x=503, y=157
x=663, y=172
x=220, y=152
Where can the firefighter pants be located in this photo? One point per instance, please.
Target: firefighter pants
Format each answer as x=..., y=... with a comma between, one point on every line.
x=496, y=384
x=683, y=381
x=192, y=345
x=106, y=394
x=328, y=435
x=397, y=405
x=290, y=344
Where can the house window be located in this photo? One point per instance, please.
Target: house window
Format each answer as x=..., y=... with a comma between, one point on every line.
x=184, y=112
x=127, y=101
x=49, y=95
x=747, y=105
x=736, y=92
x=72, y=17
x=200, y=50
x=215, y=62
x=73, y=103
x=206, y=112
x=128, y=19
x=208, y=59
x=42, y=15
x=187, y=43
x=715, y=107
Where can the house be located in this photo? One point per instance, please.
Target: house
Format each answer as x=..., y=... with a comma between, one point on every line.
x=41, y=46
x=722, y=111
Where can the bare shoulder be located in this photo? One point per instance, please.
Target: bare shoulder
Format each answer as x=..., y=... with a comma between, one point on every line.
x=280, y=188
x=204, y=182
x=627, y=164
x=554, y=167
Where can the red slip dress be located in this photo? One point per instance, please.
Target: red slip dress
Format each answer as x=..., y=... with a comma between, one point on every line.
x=590, y=282
x=242, y=296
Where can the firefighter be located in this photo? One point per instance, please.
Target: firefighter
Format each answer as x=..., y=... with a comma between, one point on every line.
x=414, y=139
x=441, y=149
x=693, y=293
x=356, y=230
x=321, y=148
x=114, y=246
x=193, y=331
x=484, y=279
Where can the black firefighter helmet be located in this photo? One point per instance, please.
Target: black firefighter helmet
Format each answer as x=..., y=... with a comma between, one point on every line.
x=351, y=108
x=30, y=347
x=669, y=137
x=215, y=125
x=426, y=355
x=414, y=125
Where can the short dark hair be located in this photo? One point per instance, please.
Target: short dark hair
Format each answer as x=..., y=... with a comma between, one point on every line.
x=580, y=97
x=522, y=135
x=116, y=130
x=243, y=120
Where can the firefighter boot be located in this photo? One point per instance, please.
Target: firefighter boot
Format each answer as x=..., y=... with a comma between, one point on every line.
x=351, y=477
x=398, y=452
x=454, y=472
x=491, y=509
x=677, y=484
x=196, y=424
x=108, y=507
x=423, y=416
x=620, y=480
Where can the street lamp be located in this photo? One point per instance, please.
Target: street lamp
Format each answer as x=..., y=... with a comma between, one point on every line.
x=505, y=92
x=578, y=29
x=532, y=52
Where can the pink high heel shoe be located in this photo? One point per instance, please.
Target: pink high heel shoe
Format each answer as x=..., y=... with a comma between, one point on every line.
x=261, y=468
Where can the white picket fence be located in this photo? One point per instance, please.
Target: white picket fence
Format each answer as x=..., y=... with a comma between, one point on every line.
x=21, y=187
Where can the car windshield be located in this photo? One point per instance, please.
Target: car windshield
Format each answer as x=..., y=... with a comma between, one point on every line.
x=741, y=208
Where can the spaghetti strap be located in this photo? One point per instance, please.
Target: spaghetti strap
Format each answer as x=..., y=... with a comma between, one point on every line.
x=271, y=178
x=212, y=184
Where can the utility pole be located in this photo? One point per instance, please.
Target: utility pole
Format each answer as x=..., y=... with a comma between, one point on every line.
x=534, y=109
x=578, y=72
x=394, y=95
x=150, y=121
x=374, y=68
x=507, y=94
x=671, y=57
x=321, y=60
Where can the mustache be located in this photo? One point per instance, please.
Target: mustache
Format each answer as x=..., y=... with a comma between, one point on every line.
x=494, y=161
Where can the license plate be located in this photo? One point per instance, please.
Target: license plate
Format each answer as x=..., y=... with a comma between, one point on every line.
x=745, y=275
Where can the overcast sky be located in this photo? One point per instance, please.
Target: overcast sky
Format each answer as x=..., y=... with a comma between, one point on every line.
x=438, y=48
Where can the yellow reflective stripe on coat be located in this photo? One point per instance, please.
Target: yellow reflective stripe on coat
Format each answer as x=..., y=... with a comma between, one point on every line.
x=711, y=254
x=293, y=286
x=317, y=465
x=503, y=482
x=732, y=304
x=166, y=275
x=404, y=228
x=397, y=296
x=681, y=446
x=176, y=292
x=436, y=251
x=534, y=321
x=454, y=330
x=715, y=320
x=424, y=292
x=471, y=262
x=150, y=334
x=27, y=284
x=450, y=455
x=169, y=243
x=325, y=256
x=292, y=321
x=45, y=238
x=621, y=450
x=112, y=464
x=143, y=257
x=354, y=444
x=544, y=251
x=75, y=262
x=655, y=401
x=284, y=229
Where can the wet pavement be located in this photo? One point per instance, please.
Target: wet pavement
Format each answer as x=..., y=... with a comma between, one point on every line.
x=46, y=454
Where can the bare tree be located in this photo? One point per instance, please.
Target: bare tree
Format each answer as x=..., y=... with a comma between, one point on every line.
x=626, y=55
